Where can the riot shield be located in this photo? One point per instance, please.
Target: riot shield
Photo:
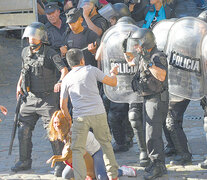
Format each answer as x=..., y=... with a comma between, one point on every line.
x=113, y=55
x=185, y=65
x=161, y=30
x=204, y=59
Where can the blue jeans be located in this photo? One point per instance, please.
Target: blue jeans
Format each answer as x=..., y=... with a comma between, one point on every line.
x=199, y=2
x=99, y=166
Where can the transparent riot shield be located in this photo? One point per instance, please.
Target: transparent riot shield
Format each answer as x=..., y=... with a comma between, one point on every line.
x=113, y=55
x=204, y=60
x=161, y=30
x=185, y=65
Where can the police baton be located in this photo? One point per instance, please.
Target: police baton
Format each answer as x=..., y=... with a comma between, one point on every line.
x=15, y=123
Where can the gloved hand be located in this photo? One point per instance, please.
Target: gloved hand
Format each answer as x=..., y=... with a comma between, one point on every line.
x=124, y=45
x=145, y=57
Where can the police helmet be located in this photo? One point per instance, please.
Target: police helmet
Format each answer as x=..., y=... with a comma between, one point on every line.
x=142, y=37
x=121, y=10
x=36, y=30
x=95, y=2
x=126, y=20
x=203, y=16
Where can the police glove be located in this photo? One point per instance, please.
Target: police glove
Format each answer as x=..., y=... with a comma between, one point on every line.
x=145, y=55
x=124, y=45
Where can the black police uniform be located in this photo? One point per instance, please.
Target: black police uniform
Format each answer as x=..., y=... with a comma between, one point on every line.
x=174, y=124
x=155, y=107
x=81, y=41
x=136, y=119
x=41, y=100
x=120, y=126
x=55, y=35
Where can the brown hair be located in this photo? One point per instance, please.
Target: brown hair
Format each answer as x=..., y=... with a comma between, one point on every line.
x=64, y=127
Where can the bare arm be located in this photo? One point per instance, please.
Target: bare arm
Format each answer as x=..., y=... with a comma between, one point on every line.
x=111, y=80
x=64, y=109
x=99, y=52
x=92, y=26
x=57, y=86
x=158, y=73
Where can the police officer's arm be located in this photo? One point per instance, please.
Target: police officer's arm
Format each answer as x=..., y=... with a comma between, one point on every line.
x=19, y=89
x=158, y=73
x=91, y=25
x=111, y=80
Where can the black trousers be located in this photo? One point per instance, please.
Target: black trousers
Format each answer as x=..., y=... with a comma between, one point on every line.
x=154, y=114
x=174, y=124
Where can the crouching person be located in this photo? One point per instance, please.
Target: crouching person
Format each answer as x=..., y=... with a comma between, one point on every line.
x=59, y=128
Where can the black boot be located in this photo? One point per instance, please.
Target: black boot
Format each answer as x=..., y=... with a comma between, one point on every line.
x=183, y=159
x=25, y=149
x=203, y=164
x=120, y=147
x=169, y=151
x=156, y=170
x=57, y=147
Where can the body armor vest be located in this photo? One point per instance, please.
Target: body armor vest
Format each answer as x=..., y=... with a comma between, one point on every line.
x=145, y=83
x=42, y=75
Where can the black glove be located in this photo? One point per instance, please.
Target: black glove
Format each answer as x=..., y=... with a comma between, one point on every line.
x=145, y=57
x=124, y=45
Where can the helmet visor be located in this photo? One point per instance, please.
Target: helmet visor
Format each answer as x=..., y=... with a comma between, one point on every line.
x=33, y=32
x=107, y=11
x=132, y=43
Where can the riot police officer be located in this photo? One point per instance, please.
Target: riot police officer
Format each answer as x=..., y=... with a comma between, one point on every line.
x=118, y=112
x=39, y=84
x=150, y=82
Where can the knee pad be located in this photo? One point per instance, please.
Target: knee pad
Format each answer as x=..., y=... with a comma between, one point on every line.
x=170, y=122
x=135, y=118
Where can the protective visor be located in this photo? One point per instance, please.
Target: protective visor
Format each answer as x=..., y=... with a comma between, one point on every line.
x=107, y=11
x=132, y=43
x=33, y=32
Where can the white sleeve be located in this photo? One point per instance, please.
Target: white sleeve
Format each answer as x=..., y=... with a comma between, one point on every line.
x=92, y=145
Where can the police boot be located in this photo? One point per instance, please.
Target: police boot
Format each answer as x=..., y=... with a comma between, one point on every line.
x=203, y=164
x=129, y=133
x=25, y=149
x=182, y=159
x=143, y=155
x=120, y=147
x=57, y=147
x=169, y=151
x=157, y=169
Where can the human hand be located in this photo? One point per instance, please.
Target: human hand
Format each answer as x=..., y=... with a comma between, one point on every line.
x=19, y=91
x=3, y=110
x=92, y=47
x=63, y=50
x=57, y=87
x=145, y=56
x=86, y=10
x=131, y=7
x=114, y=70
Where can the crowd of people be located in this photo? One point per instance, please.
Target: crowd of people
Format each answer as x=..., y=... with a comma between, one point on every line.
x=62, y=83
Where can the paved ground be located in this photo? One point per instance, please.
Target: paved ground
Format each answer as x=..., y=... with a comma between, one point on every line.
x=10, y=64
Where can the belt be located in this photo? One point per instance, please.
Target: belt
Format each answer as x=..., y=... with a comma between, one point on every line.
x=39, y=94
